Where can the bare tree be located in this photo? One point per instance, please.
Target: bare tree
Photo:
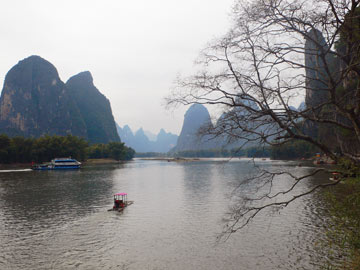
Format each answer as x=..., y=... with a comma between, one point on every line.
x=277, y=53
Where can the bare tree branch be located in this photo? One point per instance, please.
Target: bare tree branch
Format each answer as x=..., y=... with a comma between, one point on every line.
x=276, y=53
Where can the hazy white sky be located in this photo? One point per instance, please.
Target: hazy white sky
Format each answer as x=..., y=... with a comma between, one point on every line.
x=134, y=49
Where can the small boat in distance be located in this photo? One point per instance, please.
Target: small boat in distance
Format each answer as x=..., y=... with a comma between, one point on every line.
x=335, y=176
x=120, y=202
x=58, y=164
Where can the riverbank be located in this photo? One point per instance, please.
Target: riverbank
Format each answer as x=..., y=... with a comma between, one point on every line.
x=171, y=159
x=89, y=162
x=101, y=161
x=343, y=205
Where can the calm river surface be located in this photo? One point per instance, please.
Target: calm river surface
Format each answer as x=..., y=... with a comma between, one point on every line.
x=59, y=219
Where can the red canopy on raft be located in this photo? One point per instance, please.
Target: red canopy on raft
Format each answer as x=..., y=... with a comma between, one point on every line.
x=120, y=194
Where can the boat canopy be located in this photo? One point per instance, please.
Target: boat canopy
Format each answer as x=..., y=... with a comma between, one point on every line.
x=120, y=194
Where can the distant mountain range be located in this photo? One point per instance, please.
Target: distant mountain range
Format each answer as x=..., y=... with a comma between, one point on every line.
x=140, y=142
x=193, y=137
x=150, y=135
x=34, y=102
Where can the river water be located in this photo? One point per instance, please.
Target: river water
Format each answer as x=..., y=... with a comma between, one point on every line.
x=59, y=219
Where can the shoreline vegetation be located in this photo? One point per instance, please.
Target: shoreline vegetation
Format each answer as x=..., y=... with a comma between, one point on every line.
x=294, y=151
x=20, y=150
x=313, y=161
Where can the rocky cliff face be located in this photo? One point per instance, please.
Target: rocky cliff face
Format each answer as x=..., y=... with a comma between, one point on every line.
x=94, y=108
x=34, y=102
x=316, y=78
x=316, y=94
x=196, y=117
x=229, y=132
x=234, y=123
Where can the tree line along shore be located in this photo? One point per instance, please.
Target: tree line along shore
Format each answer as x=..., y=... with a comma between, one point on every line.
x=20, y=150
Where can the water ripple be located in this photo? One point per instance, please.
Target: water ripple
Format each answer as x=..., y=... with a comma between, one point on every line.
x=59, y=220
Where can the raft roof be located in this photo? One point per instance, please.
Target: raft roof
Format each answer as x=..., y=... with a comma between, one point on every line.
x=120, y=194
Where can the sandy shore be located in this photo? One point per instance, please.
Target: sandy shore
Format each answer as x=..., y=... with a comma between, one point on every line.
x=99, y=161
x=171, y=159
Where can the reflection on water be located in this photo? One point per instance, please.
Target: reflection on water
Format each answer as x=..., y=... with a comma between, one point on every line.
x=59, y=219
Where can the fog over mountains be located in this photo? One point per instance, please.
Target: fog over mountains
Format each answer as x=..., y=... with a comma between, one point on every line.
x=140, y=141
x=35, y=102
x=199, y=133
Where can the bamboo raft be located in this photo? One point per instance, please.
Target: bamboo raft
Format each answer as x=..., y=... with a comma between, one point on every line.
x=122, y=208
x=120, y=202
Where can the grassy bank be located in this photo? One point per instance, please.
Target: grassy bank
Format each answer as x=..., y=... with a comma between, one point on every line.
x=344, y=230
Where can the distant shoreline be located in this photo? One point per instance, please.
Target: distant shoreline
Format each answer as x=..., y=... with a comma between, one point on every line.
x=89, y=162
x=100, y=161
x=171, y=159
x=105, y=161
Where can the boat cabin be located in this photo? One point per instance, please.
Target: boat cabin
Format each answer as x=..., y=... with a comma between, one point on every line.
x=120, y=200
x=58, y=164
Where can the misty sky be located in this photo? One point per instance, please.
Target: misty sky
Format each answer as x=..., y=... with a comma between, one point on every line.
x=134, y=49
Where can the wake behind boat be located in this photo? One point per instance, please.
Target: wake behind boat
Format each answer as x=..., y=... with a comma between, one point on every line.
x=58, y=164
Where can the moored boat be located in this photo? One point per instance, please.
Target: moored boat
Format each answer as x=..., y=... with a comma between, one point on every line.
x=65, y=163
x=58, y=164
